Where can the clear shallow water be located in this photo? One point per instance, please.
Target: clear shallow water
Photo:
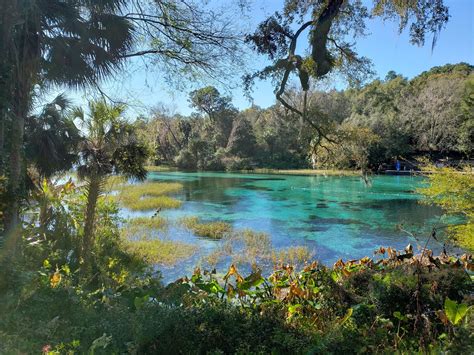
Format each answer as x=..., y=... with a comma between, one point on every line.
x=337, y=217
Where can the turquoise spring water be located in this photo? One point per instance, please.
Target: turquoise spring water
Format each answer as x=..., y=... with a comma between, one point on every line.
x=336, y=217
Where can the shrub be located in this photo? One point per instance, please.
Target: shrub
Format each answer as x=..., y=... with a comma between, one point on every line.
x=185, y=160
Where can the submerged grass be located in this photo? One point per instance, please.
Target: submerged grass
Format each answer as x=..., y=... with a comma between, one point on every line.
x=213, y=230
x=149, y=196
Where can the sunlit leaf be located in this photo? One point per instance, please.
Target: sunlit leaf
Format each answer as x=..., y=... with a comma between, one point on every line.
x=347, y=315
x=455, y=312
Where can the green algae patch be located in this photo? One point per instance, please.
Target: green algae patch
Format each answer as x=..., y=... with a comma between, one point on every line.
x=149, y=196
x=212, y=230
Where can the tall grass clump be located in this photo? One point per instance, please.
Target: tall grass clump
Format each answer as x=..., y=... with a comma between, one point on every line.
x=158, y=251
x=212, y=230
x=137, y=228
x=296, y=255
x=149, y=196
x=140, y=238
x=248, y=247
x=155, y=222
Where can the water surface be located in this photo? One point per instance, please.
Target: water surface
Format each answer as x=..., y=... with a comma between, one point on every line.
x=337, y=217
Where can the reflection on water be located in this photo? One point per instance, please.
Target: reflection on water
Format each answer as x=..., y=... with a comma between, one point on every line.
x=336, y=216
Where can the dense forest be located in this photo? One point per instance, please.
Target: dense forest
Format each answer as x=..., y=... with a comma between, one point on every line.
x=83, y=216
x=385, y=120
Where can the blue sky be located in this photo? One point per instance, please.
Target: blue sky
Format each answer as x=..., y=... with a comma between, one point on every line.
x=387, y=49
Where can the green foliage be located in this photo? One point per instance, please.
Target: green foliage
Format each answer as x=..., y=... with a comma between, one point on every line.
x=429, y=114
x=455, y=312
x=50, y=304
x=52, y=301
x=359, y=305
x=351, y=149
x=111, y=144
x=52, y=134
x=453, y=190
x=466, y=134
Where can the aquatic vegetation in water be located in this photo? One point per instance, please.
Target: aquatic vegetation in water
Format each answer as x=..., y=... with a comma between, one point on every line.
x=140, y=238
x=296, y=255
x=158, y=251
x=213, y=230
x=243, y=247
x=155, y=222
x=151, y=203
x=149, y=196
x=247, y=247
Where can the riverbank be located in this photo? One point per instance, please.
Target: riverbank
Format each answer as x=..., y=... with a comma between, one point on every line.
x=305, y=172
x=300, y=172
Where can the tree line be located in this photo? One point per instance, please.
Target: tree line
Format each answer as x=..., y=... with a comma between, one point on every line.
x=363, y=127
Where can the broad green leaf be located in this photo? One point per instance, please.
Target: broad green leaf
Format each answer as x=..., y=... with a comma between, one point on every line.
x=292, y=309
x=250, y=281
x=455, y=311
x=399, y=316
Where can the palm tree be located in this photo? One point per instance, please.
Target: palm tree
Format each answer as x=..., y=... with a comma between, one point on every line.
x=51, y=139
x=72, y=43
x=109, y=147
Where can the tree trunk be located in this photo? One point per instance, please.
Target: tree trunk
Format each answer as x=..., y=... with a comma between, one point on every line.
x=16, y=177
x=3, y=118
x=93, y=193
x=24, y=53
